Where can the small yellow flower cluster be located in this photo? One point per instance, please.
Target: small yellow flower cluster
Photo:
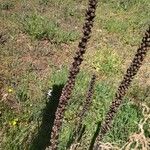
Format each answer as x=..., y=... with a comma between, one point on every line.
x=14, y=122
x=10, y=90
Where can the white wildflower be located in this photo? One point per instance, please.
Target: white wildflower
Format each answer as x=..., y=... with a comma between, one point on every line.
x=49, y=93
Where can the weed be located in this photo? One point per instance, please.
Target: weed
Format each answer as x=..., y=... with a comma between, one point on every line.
x=39, y=28
x=122, y=21
x=107, y=62
x=126, y=121
x=22, y=95
x=115, y=26
x=73, y=72
x=124, y=85
x=43, y=2
x=123, y=5
x=7, y=5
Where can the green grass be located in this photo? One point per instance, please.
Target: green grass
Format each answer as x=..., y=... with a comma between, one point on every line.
x=107, y=62
x=126, y=120
x=7, y=5
x=115, y=26
x=118, y=17
x=41, y=28
x=41, y=38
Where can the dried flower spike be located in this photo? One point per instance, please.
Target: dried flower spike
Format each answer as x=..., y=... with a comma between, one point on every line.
x=88, y=100
x=80, y=116
x=74, y=70
x=124, y=85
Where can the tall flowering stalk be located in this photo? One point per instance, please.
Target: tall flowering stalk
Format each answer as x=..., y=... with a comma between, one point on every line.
x=124, y=85
x=80, y=116
x=88, y=100
x=74, y=70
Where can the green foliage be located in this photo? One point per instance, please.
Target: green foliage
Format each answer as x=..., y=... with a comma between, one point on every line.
x=120, y=20
x=7, y=5
x=124, y=5
x=124, y=18
x=107, y=62
x=18, y=136
x=126, y=121
x=41, y=28
x=22, y=94
x=43, y=2
x=115, y=26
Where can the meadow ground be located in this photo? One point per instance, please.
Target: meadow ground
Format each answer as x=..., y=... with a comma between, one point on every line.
x=38, y=39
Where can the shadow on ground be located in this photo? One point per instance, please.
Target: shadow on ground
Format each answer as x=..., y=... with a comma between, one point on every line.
x=95, y=136
x=42, y=139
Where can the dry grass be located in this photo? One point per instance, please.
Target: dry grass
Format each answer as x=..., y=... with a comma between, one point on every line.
x=136, y=140
x=30, y=67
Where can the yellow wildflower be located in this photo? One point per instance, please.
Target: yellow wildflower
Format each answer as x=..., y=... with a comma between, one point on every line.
x=10, y=90
x=14, y=122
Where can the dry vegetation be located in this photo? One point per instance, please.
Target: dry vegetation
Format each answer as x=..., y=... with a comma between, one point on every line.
x=37, y=41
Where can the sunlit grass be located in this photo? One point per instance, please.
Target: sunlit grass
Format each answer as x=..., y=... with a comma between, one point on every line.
x=42, y=29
